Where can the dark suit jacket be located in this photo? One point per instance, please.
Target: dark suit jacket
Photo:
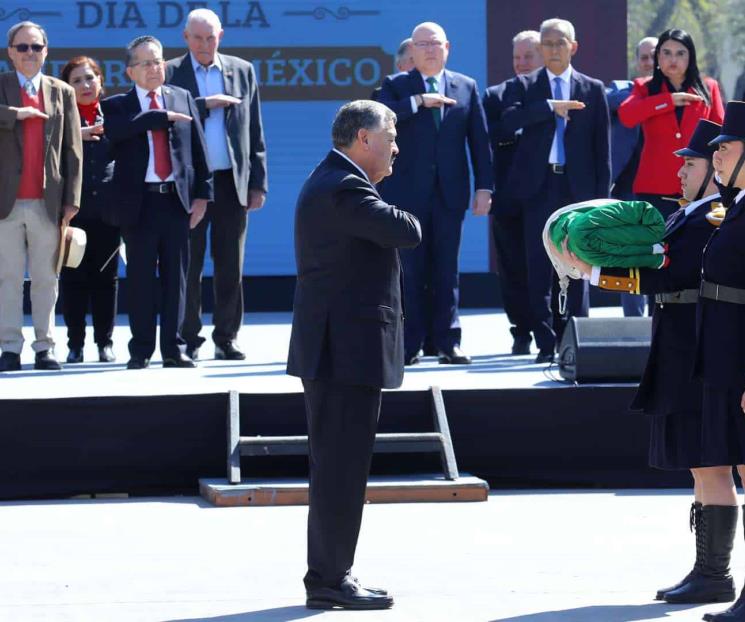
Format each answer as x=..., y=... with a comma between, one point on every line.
x=503, y=147
x=126, y=127
x=428, y=156
x=98, y=170
x=242, y=121
x=586, y=139
x=347, y=322
x=666, y=386
x=63, y=149
x=720, y=350
x=623, y=139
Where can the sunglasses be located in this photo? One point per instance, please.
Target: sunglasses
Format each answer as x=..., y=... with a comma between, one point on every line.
x=24, y=47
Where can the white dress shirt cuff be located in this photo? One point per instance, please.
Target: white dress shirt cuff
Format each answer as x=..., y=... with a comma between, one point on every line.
x=595, y=275
x=414, y=107
x=550, y=105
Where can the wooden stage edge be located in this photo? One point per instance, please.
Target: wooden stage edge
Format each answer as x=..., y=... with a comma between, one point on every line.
x=409, y=489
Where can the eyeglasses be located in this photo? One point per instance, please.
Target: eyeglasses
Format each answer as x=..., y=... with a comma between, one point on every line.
x=24, y=47
x=147, y=64
x=555, y=45
x=428, y=44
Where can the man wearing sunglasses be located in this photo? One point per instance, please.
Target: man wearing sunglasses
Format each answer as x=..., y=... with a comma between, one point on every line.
x=40, y=178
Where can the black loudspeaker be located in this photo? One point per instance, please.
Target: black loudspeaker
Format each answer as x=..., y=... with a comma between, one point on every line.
x=605, y=349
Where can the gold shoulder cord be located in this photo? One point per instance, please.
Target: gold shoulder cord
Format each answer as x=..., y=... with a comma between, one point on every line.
x=717, y=213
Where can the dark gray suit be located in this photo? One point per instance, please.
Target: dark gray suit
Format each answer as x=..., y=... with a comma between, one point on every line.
x=227, y=215
x=346, y=343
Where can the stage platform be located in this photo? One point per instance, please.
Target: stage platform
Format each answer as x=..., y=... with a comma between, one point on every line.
x=523, y=556
x=265, y=338
x=100, y=428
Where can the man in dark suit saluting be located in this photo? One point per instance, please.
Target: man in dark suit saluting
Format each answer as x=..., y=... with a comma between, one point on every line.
x=562, y=157
x=439, y=113
x=227, y=97
x=160, y=189
x=347, y=337
x=507, y=224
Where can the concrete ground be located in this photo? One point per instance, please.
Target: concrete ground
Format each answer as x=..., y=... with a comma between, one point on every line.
x=523, y=556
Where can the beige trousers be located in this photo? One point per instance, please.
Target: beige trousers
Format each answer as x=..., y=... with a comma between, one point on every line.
x=27, y=239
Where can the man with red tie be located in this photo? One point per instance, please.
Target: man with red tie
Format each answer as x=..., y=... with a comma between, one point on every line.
x=156, y=138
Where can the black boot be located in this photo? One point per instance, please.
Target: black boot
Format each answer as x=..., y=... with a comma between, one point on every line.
x=736, y=613
x=712, y=582
x=694, y=522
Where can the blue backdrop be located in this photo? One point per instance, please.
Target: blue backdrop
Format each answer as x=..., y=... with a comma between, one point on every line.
x=310, y=57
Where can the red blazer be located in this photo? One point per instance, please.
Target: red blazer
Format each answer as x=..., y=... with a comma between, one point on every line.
x=658, y=166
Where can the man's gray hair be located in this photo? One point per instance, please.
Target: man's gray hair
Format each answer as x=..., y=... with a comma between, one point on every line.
x=559, y=25
x=135, y=43
x=652, y=40
x=527, y=35
x=203, y=15
x=403, y=50
x=357, y=115
x=13, y=31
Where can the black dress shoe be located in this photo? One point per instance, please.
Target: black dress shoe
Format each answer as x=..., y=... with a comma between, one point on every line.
x=349, y=595
x=192, y=352
x=45, y=360
x=179, y=360
x=374, y=590
x=521, y=345
x=454, y=356
x=10, y=361
x=75, y=355
x=545, y=357
x=106, y=355
x=413, y=359
x=137, y=362
x=228, y=352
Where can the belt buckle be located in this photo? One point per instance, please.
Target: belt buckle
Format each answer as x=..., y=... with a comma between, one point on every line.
x=557, y=169
x=716, y=293
x=163, y=188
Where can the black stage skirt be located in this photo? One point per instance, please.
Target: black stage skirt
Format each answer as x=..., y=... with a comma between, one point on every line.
x=675, y=441
x=722, y=427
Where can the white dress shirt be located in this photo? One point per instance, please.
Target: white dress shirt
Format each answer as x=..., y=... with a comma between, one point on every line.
x=151, y=176
x=565, y=94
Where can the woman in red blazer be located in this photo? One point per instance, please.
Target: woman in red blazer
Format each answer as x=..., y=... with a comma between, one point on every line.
x=668, y=106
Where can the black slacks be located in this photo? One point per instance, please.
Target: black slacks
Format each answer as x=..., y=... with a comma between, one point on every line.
x=89, y=285
x=547, y=323
x=226, y=219
x=342, y=420
x=158, y=242
x=513, y=271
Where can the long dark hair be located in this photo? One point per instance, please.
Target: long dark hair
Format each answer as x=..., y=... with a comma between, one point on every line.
x=692, y=77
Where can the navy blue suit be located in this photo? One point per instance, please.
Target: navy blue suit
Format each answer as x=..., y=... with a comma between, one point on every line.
x=155, y=227
x=541, y=191
x=666, y=389
x=506, y=217
x=430, y=179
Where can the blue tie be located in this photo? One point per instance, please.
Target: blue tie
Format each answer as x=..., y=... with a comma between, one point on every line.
x=560, y=126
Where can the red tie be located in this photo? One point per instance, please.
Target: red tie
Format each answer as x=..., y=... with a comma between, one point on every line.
x=161, y=153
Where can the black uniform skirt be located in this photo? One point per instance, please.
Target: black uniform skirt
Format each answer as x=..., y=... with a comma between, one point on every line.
x=722, y=427
x=675, y=441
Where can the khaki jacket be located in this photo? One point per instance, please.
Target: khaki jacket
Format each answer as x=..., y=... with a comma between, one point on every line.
x=63, y=147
